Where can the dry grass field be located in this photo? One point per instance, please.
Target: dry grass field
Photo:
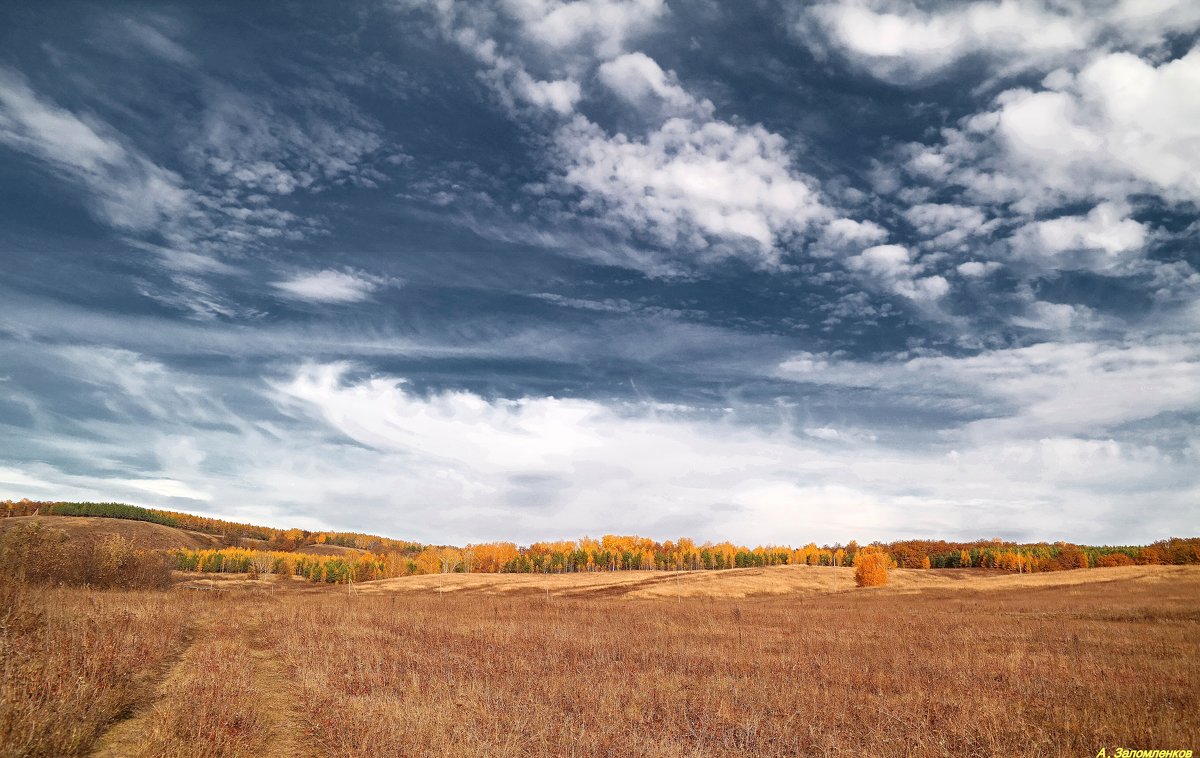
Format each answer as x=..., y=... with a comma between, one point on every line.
x=752, y=582
x=142, y=534
x=780, y=661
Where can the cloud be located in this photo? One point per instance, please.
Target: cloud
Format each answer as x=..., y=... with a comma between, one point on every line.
x=154, y=40
x=1054, y=317
x=189, y=223
x=1050, y=389
x=1119, y=127
x=892, y=267
x=1119, y=137
x=124, y=188
x=534, y=52
x=693, y=185
x=139, y=199
x=164, y=488
x=517, y=89
x=846, y=233
x=638, y=80
x=1097, y=241
x=601, y=26
x=256, y=146
x=902, y=42
x=977, y=269
x=456, y=465
x=947, y=226
x=330, y=286
x=690, y=181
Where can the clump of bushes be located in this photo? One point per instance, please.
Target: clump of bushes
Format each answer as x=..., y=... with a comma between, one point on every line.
x=36, y=553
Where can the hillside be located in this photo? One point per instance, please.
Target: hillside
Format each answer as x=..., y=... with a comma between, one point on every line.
x=329, y=550
x=142, y=534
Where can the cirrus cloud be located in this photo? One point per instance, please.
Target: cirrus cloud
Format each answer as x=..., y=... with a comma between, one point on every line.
x=330, y=286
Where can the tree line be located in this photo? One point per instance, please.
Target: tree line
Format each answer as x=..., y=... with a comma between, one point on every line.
x=264, y=550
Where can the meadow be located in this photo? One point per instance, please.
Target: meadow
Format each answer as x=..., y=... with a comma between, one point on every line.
x=788, y=660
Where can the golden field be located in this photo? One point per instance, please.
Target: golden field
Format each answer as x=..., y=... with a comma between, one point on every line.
x=791, y=660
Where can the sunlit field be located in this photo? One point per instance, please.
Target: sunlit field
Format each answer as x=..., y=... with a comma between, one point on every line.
x=779, y=661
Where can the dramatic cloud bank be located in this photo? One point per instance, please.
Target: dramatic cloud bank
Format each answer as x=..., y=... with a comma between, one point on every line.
x=530, y=269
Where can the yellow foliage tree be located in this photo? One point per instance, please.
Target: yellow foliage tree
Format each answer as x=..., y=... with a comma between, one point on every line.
x=870, y=568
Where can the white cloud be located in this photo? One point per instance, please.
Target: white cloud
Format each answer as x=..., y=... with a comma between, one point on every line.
x=256, y=148
x=330, y=286
x=1031, y=444
x=892, y=267
x=946, y=226
x=1050, y=389
x=124, y=188
x=151, y=38
x=977, y=269
x=693, y=184
x=845, y=232
x=535, y=51
x=601, y=26
x=1108, y=136
x=899, y=42
x=137, y=197
x=457, y=466
x=164, y=488
x=1058, y=317
x=904, y=42
x=560, y=95
x=243, y=153
x=640, y=81
x=1097, y=240
x=582, y=456
x=516, y=87
x=1119, y=127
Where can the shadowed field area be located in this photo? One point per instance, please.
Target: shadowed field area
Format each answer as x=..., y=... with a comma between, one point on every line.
x=781, y=661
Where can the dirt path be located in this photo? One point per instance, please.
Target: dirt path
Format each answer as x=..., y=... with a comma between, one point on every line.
x=263, y=699
x=127, y=737
x=274, y=690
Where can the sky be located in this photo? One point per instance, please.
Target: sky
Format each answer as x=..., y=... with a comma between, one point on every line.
x=764, y=271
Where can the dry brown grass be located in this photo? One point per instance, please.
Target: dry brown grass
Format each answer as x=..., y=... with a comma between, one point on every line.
x=142, y=534
x=755, y=661
x=754, y=582
x=1035, y=670
x=72, y=660
x=226, y=695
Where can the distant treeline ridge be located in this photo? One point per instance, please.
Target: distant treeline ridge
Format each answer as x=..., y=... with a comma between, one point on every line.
x=273, y=551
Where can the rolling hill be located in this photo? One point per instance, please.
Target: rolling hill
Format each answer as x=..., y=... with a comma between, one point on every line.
x=142, y=534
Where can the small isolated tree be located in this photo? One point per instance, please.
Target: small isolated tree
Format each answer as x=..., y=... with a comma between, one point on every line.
x=870, y=568
x=925, y=563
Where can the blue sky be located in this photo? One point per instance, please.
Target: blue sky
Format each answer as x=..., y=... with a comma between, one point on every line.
x=527, y=269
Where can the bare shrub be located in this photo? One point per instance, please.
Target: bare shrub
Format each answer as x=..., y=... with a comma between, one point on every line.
x=36, y=553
